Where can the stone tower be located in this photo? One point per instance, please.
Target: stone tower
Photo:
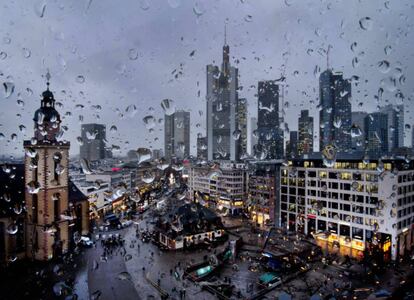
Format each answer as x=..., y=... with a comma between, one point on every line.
x=46, y=180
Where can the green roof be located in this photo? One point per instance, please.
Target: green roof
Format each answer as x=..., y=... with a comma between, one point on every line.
x=203, y=271
x=267, y=277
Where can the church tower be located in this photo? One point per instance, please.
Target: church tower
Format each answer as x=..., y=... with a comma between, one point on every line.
x=46, y=180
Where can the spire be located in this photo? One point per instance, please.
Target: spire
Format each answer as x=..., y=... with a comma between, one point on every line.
x=47, y=79
x=225, y=33
x=327, y=57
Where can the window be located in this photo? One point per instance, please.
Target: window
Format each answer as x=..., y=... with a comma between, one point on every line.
x=56, y=206
x=34, y=208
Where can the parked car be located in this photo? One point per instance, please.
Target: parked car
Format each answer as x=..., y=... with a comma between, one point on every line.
x=112, y=221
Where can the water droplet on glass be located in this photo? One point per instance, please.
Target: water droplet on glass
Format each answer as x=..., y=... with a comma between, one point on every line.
x=8, y=89
x=131, y=110
x=12, y=228
x=143, y=154
x=133, y=54
x=366, y=23
x=174, y=3
x=3, y=55
x=33, y=187
x=40, y=8
x=329, y=156
x=80, y=79
x=144, y=5
x=85, y=166
x=124, y=276
x=168, y=106
x=248, y=18
x=236, y=134
x=383, y=66
x=26, y=53
x=149, y=122
x=388, y=50
x=198, y=9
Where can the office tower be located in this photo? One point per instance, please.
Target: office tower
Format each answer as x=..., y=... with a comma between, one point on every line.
x=93, y=137
x=395, y=117
x=222, y=98
x=270, y=136
x=202, y=147
x=157, y=153
x=376, y=134
x=177, y=135
x=358, y=130
x=241, y=133
x=253, y=134
x=46, y=179
x=412, y=136
x=305, y=134
x=335, y=114
x=292, y=145
x=349, y=204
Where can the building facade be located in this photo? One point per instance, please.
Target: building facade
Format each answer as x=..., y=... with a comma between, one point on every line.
x=270, y=135
x=261, y=197
x=202, y=147
x=177, y=135
x=241, y=132
x=395, y=120
x=335, y=114
x=222, y=188
x=352, y=205
x=305, y=133
x=358, y=130
x=376, y=134
x=222, y=105
x=93, y=145
x=47, y=193
x=253, y=134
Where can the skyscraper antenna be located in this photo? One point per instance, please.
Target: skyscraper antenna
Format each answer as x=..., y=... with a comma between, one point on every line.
x=327, y=57
x=225, y=33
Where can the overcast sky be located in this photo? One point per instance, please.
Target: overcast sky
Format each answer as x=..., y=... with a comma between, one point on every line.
x=126, y=51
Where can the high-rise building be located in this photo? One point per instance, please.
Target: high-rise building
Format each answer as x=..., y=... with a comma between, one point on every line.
x=395, y=116
x=270, y=136
x=177, y=134
x=46, y=179
x=222, y=98
x=93, y=146
x=157, y=153
x=241, y=133
x=305, y=134
x=335, y=114
x=349, y=204
x=376, y=134
x=292, y=144
x=202, y=147
x=358, y=125
x=253, y=134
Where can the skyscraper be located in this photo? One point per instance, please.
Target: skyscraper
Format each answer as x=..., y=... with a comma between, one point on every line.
x=376, y=126
x=242, y=127
x=177, y=134
x=395, y=116
x=358, y=123
x=93, y=137
x=222, y=98
x=202, y=147
x=253, y=136
x=305, y=134
x=335, y=114
x=47, y=184
x=270, y=136
x=292, y=145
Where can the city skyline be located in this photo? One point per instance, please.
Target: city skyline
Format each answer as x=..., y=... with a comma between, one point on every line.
x=120, y=86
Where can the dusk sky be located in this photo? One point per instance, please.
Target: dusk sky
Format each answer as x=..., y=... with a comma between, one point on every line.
x=106, y=56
